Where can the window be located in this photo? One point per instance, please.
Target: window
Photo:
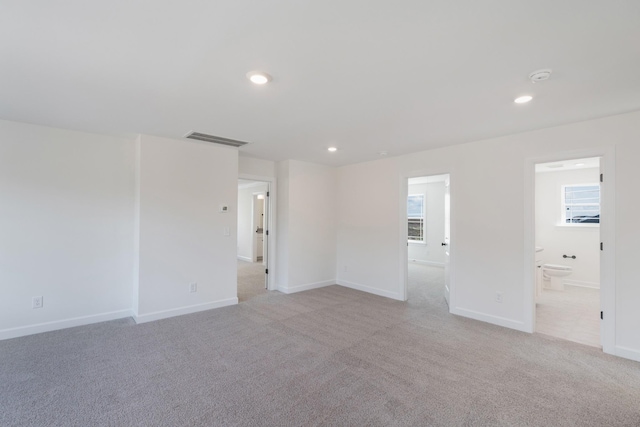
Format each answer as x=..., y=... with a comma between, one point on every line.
x=581, y=204
x=415, y=214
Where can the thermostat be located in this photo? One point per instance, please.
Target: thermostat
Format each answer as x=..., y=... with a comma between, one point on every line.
x=224, y=208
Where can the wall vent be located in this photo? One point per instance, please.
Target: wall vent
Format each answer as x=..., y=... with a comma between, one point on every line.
x=215, y=139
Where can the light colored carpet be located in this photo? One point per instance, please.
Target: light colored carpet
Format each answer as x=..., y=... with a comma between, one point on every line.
x=330, y=356
x=251, y=279
x=426, y=286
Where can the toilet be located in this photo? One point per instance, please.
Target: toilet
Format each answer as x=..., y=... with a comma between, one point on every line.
x=555, y=273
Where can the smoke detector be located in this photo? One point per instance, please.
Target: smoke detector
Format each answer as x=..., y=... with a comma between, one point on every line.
x=540, y=75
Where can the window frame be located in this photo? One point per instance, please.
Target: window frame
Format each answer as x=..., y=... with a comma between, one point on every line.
x=422, y=218
x=563, y=205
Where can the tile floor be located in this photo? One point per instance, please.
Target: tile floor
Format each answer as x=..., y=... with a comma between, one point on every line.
x=572, y=314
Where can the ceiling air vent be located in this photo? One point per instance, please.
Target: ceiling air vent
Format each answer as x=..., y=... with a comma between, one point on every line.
x=215, y=139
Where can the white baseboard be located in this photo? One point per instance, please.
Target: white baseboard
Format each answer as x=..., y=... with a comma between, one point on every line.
x=164, y=314
x=63, y=324
x=369, y=289
x=627, y=353
x=431, y=263
x=305, y=287
x=582, y=284
x=245, y=258
x=495, y=320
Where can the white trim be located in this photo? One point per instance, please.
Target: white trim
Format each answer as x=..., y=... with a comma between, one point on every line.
x=495, y=320
x=607, y=235
x=63, y=324
x=627, y=353
x=271, y=217
x=578, y=226
x=582, y=284
x=244, y=258
x=370, y=290
x=431, y=263
x=305, y=287
x=164, y=314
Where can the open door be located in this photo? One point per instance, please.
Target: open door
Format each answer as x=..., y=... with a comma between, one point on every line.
x=447, y=237
x=265, y=242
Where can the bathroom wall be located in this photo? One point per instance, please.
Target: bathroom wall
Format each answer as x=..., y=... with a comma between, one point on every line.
x=431, y=252
x=558, y=239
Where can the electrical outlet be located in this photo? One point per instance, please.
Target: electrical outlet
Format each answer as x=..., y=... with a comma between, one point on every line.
x=193, y=287
x=499, y=297
x=37, y=302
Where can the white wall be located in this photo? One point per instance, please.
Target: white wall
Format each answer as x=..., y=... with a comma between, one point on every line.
x=558, y=239
x=256, y=167
x=306, y=225
x=488, y=211
x=66, y=227
x=368, y=227
x=182, y=237
x=282, y=224
x=431, y=252
x=246, y=227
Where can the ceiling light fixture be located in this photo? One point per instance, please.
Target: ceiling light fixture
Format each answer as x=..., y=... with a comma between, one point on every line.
x=579, y=164
x=523, y=99
x=259, y=77
x=332, y=149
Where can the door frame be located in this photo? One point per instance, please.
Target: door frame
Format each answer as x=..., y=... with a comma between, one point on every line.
x=607, y=236
x=403, y=243
x=271, y=224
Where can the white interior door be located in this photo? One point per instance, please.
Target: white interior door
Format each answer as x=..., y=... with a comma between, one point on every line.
x=265, y=239
x=447, y=238
x=603, y=267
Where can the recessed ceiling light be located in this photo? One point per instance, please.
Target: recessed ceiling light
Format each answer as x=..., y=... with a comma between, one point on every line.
x=579, y=164
x=332, y=149
x=258, y=77
x=523, y=99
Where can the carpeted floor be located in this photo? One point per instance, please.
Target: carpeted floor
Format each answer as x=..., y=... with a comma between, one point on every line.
x=251, y=280
x=330, y=356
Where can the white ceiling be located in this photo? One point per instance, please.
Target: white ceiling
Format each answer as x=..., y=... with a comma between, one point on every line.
x=427, y=179
x=364, y=76
x=565, y=165
x=247, y=183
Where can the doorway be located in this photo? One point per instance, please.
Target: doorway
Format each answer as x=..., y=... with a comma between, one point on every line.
x=428, y=243
x=569, y=282
x=253, y=238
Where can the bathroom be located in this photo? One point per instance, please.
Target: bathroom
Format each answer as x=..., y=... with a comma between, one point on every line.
x=567, y=212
